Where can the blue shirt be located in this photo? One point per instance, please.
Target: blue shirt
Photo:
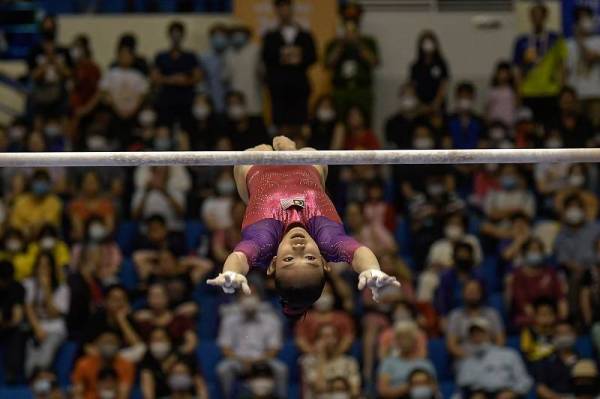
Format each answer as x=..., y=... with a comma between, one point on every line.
x=398, y=369
x=217, y=85
x=465, y=137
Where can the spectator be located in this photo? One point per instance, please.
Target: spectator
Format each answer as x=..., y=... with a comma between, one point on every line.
x=441, y=252
x=589, y=297
x=501, y=104
x=260, y=383
x=582, y=62
x=536, y=340
x=380, y=219
x=90, y=375
x=90, y=202
x=12, y=298
x=519, y=233
x=395, y=370
x=185, y=382
x=43, y=385
x=108, y=383
x=86, y=74
x=578, y=180
x=491, y=370
x=242, y=63
x=176, y=72
x=129, y=41
x=534, y=279
x=352, y=57
x=213, y=65
x=241, y=129
x=429, y=73
x=422, y=384
x=224, y=240
x=48, y=241
x=575, y=128
x=248, y=336
x=359, y=135
x=216, y=209
x=539, y=58
x=325, y=129
x=402, y=312
x=585, y=379
x=206, y=124
x=553, y=374
x=466, y=128
x=288, y=51
x=155, y=236
x=37, y=206
x=399, y=126
x=327, y=364
x=459, y=320
x=46, y=305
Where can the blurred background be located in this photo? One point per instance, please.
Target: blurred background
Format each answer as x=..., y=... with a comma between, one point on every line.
x=103, y=270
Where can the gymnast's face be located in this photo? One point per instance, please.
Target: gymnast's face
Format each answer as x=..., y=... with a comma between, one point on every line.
x=298, y=257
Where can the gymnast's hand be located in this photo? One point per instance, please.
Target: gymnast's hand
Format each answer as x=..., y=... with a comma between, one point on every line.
x=283, y=143
x=230, y=282
x=377, y=281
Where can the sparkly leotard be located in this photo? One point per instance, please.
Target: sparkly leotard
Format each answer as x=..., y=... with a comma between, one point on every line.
x=284, y=196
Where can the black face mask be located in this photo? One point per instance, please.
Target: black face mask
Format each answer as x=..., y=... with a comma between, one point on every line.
x=473, y=304
x=49, y=35
x=464, y=265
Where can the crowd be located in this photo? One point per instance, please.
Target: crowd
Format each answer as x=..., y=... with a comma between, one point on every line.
x=500, y=265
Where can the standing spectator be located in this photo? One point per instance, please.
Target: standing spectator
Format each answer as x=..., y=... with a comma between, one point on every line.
x=429, y=73
x=46, y=305
x=129, y=41
x=328, y=363
x=241, y=129
x=459, y=320
x=491, y=370
x=213, y=65
x=352, y=58
x=501, y=104
x=589, y=297
x=250, y=335
x=539, y=57
x=583, y=62
x=288, y=51
x=176, y=72
x=207, y=124
x=466, y=128
x=89, y=375
x=12, y=298
x=400, y=126
x=44, y=385
x=574, y=127
x=86, y=75
x=324, y=126
x=359, y=135
x=242, y=62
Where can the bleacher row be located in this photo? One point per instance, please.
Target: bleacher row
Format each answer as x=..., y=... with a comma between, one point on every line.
x=120, y=6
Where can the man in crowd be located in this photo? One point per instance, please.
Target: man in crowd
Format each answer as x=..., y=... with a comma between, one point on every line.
x=213, y=65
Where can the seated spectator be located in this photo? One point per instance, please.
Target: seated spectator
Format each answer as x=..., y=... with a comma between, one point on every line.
x=158, y=314
x=86, y=74
x=161, y=190
x=519, y=233
x=108, y=383
x=97, y=237
x=402, y=313
x=589, y=298
x=441, y=252
x=501, y=103
x=90, y=374
x=223, y=241
x=491, y=370
x=485, y=180
x=422, y=384
x=206, y=128
x=579, y=182
x=498, y=136
x=466, y=128
x=532, y=280
x=325, y=129
x=155, y=236
x=250, y=335
x=399, y=126
x=380, y=241
x=89, y=202
x=395, y=370
x=216, y=209
x=18, y=252
x=161, y=357
x=12, y=298
x=328, y=363
x=44, y=385
x=37, y=206
x=46, y=305
x=553, y=374
x=585, y=379
x=358, y=135
x=49, y=241
x=536, y=340
x=241, y=129
x=575, y=128
x=260, y=383
x=459, y=320
x=323, y=312
x=185, y=382
x=551, y=178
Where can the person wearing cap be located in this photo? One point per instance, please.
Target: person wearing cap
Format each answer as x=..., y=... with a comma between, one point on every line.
x=287, y=53
x=586, y=380
x=352, y=57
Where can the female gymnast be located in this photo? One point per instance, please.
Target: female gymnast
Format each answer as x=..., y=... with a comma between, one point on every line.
x=292, y=230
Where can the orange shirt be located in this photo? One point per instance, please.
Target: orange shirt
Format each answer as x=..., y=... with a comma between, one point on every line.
x=87, y=369
x=308, y=328
x=84, y=209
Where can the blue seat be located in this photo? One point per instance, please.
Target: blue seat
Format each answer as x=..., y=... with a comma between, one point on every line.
x=112, y=6
x=496, y=301
x=125, y=236
x=128, y=275
x=447, y=389
x=294, y=391
x=289, y=354
x=208, y=321
x=585, y=347
x=489, y=270
x=209, y=355
x=356, y=350
x=194, y=230
x=402, y=235
x=440, y=358
x=514, y=341
x=64, y=362
x=16, y=393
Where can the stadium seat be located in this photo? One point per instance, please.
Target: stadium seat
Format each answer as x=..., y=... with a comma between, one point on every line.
x=208, y=321
x=440, y=358
x=489, y=270
x=194, y=230
x=514, y=341
x=125, y=236
x=16, y=393
x=496, y=301
x=64, y=362
x=112, y=6
x=447, y=389
x=209, y=356
x=128, y=275
x=403, y=237
x=290, y=354
x=584, y=346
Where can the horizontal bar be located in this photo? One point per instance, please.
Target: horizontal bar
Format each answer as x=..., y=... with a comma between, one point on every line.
x=222, y=158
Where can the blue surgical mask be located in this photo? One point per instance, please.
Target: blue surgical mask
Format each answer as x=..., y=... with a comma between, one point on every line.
x=421, y=392
x=40, y=187
x=219, y=41
x=508, y=182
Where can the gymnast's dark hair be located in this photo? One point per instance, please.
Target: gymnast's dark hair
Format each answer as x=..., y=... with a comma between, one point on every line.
x=295, y=299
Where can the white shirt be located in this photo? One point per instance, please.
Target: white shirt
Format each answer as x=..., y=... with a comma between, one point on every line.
x=125, y=87
x=60, y=297
x=442, y=251
x=518, y=199
x=242, y=69
x=583, y=77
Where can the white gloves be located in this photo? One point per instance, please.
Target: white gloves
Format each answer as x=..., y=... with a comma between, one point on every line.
x=230, y=282
x=377, y=281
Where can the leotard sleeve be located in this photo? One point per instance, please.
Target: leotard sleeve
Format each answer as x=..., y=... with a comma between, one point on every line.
x=335, y=245
x=260, y=241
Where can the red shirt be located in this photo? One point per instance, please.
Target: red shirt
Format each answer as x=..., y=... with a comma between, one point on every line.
x=366, y=140
x=528, y=287
x=308, y=328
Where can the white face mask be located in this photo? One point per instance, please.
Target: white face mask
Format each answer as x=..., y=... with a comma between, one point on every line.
x=428, y=46
x=464, y=105
x=453, y=232
x=325, y=114
x=574, y=215
x=587, y=25
x=225, y=187
x=423, y=143
x=201, y=112
x=47, y=243
x=107, y=394
x=289, y=33
x=497, y=133
x=13, y=245
x=97, y=232
x=408, y=103
x=324, y=303
x=16, y=133
x=554, y=143
x=147, y=118
x=97, y=143
x=237, y=112
x=261, y=386
x=160, y=350
x=576, y=180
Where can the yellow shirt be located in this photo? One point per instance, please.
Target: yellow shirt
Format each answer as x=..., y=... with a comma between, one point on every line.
x=29, y=213
x=22, y=262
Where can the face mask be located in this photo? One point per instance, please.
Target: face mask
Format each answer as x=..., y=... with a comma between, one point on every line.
x=239, y=39
x=464, y=105
x=289, y=33
x=508, y=182
x=108, y=351
x=160, y=350
x=506, y=145
x=52, y=131
x=453, y=232
x=201, y=112
x=42, y=387
x=428, y=46
x=464, y=264
x=237, y=112
x=402, y=315
x=162, y=144
x=574, y=215
x=324, y=303
x=97, y=232
x=563, y=342
x=47, y=242
x=225, y=187
x=576, y=180
x=587, y=25
x=435, y=189
x=491, y=167
x=554, y=143
x=325, y=114
x=534, y=259
x=421, y=392
x=261, y=386
x=249, y=304
x=408, y=103
x=497, y=134
x=180, y=382
x=40, y=187
x=147, y=118
x=480, y=349
x=219, y=42
x=97, y=143
x=16, y=133
x=13, y=245
x=423, y=143
x=107, y=394
x=76, y=53
x=336, y=395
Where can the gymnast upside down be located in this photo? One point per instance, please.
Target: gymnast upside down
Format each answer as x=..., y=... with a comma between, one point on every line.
x=292, y=230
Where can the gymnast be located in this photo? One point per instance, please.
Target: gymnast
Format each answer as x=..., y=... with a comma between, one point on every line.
x=292, y=230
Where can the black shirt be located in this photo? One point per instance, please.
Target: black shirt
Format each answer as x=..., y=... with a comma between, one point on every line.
x=428, y=78
x=321, y=134
x=161, y=376
x=99, y=323
x=591, y=280
x=575, y=136
x=554, y=373
x=251, y=134
x=169, y=63
x=10, y=296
